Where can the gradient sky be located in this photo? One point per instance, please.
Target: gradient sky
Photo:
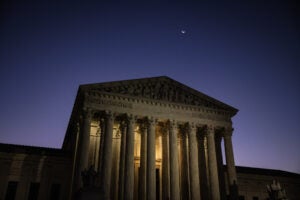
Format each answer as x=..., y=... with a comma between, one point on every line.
x=246, y=54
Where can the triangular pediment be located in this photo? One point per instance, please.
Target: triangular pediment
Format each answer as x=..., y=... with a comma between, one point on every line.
x=160, y=88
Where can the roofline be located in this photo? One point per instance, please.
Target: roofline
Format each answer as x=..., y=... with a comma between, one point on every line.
x=265, y=171
x=123, y=80
x=35, y=150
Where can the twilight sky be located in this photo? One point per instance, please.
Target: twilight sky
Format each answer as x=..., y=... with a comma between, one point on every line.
x=246, y=54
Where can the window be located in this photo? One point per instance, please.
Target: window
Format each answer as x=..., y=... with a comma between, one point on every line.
x=33, y=191
x=11, y=190
x=55, y=191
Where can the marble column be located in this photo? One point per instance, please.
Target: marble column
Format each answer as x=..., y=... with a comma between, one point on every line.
x=123, y=130
x=100, y=154
x=222, y=186
x=184, y=168
x=76, y=175
x=129, y=160
x=85, y=142
x=97, y=150
x=229, y=157
x=212, y=164
x=193, y=164
x=203, y=171
x=174, y=169
x=231, y=172
x=107, y=155
x=165, y=163
x=115, y=164
x=151, y=175
x=143, y=162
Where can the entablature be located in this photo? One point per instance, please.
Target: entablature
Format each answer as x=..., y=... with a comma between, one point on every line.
x=159, y=109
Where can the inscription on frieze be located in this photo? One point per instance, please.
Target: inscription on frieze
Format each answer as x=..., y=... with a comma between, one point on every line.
x=110, y=102
x=197, y=115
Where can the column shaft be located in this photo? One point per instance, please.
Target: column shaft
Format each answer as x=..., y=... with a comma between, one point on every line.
x=204, y=181
x=100, y=154
x=193, y=165
x=231, y=172
x=86, y=128
x=151, y=176
x=212, y=164
x=97, y=150
x=107, y=156
x=84, y=146
x=143, y=167
x=122, y=161
x=115, y=166
x=222, y=186
x=129, y=161
x=174, y=171
x=165, y=165
x=184, y=172
x=230, y=160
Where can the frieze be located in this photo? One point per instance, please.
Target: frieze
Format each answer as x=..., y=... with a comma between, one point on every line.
x=109, y=102
x=121, y=101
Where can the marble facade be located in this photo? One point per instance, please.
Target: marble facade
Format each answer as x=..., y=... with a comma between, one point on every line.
x=152, y=138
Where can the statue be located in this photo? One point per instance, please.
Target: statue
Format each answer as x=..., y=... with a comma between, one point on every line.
x=89, y=190
x=89, y=177
x=276, y=192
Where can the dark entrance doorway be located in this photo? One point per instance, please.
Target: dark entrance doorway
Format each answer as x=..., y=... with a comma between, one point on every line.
x=157, y=184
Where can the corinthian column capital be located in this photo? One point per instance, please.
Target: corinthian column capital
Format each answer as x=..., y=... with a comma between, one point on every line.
x=122, y=126
x=87, y=113
x=173, y=127
x=191, y=128
x=131, y=119
x=173, y=124
x=209, y=130
x=228, y=131
x=109, y=115
x=164, y=129
x=151, y=121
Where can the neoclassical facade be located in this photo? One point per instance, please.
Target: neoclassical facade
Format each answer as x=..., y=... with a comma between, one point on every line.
x=151, y=138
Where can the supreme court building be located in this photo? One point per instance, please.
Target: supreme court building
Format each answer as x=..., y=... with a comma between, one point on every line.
x=150, y=138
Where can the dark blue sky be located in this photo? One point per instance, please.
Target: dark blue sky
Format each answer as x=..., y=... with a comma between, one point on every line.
x=246, y=54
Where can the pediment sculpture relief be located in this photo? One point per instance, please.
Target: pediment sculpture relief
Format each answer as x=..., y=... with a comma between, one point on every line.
x=159, y=91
